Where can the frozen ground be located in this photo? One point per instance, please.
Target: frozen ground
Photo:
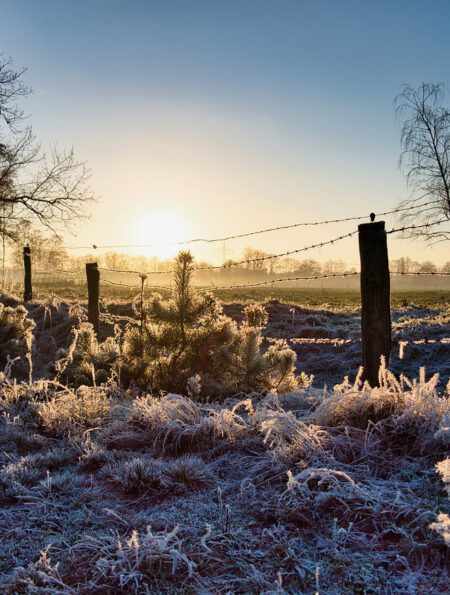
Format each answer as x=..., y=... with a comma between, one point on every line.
x=326, y=339
x=309, y=492
x=331, y=491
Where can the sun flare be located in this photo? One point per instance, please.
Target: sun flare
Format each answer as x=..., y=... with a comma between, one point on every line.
x=159, y=232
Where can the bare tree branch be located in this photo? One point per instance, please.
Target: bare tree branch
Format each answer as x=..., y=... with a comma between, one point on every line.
x=11, y=89
x=425, y=157
x=50, y=188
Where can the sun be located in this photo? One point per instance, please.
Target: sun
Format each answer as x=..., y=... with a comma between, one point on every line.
x=159, y=232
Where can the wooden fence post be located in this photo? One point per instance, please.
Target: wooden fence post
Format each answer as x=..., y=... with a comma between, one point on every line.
x=27, y=291
x=93, y=283
x=375, y=299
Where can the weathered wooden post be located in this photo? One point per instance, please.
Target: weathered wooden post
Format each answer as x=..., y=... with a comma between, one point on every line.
x=93, y=283
x=27, y=289
x=375, y=299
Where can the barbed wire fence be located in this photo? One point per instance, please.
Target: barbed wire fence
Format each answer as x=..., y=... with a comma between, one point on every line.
x=96, y=246
x=79, y=273
x=265, y=258
x=374, y=275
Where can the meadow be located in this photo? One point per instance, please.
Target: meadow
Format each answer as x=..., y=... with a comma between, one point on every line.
x=180, y=424
x=307, y=296
x=333, y=487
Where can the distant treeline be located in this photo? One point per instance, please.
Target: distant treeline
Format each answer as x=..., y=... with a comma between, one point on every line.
x=49, y=253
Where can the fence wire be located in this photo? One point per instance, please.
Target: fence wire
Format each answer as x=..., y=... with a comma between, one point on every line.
x=138, y=284
x=259, y=231
x=411, y=227
x=238, y=263
x=76, y=274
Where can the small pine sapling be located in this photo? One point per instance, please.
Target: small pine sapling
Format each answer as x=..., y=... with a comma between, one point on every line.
x=188, y=337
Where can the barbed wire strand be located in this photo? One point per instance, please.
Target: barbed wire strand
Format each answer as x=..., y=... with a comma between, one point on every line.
x=61, y=272
x=239, y=262
x=316, y=277
x=135, y=285
x=410, y=227
x=256, y=232
x=66, y=271
x=280, y=280
x=421, y=273
x=270, y=256
x=258, y=259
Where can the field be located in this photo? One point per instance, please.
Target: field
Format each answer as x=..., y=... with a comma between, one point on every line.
x=334, y=297
x=325, y=489
x=323, y=326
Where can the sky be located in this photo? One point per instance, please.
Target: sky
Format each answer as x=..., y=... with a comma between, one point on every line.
x=211, y=118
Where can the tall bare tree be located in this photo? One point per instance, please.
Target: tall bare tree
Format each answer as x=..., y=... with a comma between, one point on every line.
x=425, y=159
x=45, y=187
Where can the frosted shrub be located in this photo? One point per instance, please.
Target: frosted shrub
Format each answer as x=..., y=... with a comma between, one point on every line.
x=189, y=337
x=187, y=473
x=55, y=458
x=16, y=335
x=93, y=458
x=74, y=412
x=155, y=414
x=443, y=468
x=256, y=316
x=135, y=476
x=281, y=428
x=319, y=479
x=356, y=405
x=149, y=561
x=22, y=473
x=442, y=525
x=194, y=386
x=415, y=408
x=86, y=361
x=280, y=362
x=39, y=577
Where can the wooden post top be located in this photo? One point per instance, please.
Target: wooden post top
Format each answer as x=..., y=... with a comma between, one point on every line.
x=371, y=227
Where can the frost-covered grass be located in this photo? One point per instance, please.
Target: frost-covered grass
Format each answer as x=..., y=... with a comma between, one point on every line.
x=343, y=490
x=103, y=491
x=323, y=328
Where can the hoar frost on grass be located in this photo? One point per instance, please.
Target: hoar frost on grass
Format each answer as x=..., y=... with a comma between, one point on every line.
x=335, y=492
x=442, y=525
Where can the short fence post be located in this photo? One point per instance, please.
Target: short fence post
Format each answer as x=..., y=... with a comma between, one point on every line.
x=93, y=283
x=375, y=299
x=28, y=290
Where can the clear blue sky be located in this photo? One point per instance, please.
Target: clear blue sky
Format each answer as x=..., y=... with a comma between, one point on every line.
x=225, y=116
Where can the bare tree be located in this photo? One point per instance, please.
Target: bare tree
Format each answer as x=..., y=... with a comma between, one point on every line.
x=46, y=187
x=427, y=267
x=404, y=265
x=11, y=89
x=48, y=251
x=425, y=159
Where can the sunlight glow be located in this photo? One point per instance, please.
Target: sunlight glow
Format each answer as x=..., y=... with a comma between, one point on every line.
x=159, y=231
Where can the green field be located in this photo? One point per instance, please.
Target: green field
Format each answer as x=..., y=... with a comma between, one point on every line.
x=313, y=297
